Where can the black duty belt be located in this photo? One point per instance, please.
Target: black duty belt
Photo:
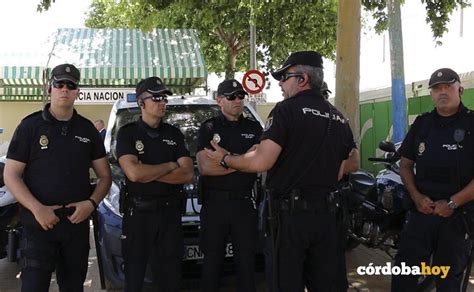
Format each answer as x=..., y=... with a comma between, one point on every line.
x=63, y=212
x=220, y=195
x=302, y=203
x=146, y=204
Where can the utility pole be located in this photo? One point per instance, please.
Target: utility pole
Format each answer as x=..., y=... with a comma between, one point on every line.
x=253, y=44
x=348, y=62
x=399, y=107
x=253, y=50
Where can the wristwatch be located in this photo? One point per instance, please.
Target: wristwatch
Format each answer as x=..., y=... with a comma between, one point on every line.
x=452, y=205
x=222, y=162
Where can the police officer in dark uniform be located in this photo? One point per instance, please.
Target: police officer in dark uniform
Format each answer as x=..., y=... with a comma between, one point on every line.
x=227, y=207
x=441, y=144
x=303, y=145
x=325, y=90
x=156, y=163
x=47, y=170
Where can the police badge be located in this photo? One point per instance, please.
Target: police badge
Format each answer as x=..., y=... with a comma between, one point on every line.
x=139, y=146
x=421, y=148
x=216, y=138
x=43, y=141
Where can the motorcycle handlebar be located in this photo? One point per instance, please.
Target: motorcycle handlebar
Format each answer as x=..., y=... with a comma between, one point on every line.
x=378, y=159
x=392, y=159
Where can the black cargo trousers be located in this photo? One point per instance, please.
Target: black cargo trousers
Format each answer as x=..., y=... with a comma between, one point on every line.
x=152, y=234
x=305, y=247
x=65, y=248
x=222, y=215
x=436, y=241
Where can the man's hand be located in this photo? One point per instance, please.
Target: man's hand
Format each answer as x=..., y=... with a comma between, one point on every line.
x=83, y=210
x=217, y=154
x=442, y=209
x=424, y=204
x=46, y=217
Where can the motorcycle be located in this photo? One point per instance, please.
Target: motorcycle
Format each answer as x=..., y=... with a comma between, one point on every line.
x=376, y=205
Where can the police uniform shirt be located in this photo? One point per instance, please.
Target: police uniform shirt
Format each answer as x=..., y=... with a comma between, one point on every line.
x=299, y=125
x=442, y=148
x=151, y=146
x=58, y=155
x=236, y=137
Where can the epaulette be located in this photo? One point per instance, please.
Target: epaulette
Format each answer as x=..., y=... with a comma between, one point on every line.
x=424, y=114
x=129, y=125
x=32, y=115
x=208, y=120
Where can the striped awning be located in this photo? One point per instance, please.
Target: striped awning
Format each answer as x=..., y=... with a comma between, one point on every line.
x=115, y=58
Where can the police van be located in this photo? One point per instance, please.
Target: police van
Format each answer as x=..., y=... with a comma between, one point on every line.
x=187, y=113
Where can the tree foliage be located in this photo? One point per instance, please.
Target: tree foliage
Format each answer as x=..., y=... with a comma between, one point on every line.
x=437, y=13
x=223, y=26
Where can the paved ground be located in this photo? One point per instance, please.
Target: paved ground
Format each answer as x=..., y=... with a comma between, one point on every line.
x=10, y=282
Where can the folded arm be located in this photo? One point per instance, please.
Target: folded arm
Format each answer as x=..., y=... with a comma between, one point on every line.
x=136, y=171
x=260, y=159
x=180, y=175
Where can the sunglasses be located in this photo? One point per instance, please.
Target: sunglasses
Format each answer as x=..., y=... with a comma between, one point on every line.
x=60, y=85
x=234, y=96
x=157, y=98
x=287, y=76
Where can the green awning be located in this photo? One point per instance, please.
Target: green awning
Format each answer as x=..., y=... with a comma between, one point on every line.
x=115, y=58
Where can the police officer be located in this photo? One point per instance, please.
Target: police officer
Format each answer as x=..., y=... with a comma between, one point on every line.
x=325, y=90
x=227, y=194
x=303, y=145
x=440, y=143
x=156, y=163
x=47, y=171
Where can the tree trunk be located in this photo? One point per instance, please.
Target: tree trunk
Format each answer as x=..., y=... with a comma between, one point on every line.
x=231, y=60
x=348, y=62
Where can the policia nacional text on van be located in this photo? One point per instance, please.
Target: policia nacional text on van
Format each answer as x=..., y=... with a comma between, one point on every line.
x=47, y=171
x=303, y=145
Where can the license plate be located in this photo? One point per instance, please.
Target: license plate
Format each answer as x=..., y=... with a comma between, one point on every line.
x=192, y=252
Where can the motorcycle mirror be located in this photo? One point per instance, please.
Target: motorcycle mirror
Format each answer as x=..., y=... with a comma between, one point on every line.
x=387, y=146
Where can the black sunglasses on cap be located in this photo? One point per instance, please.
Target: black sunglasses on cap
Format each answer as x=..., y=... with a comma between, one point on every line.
x=60, y=85
x=157, y=98
x=234, y=96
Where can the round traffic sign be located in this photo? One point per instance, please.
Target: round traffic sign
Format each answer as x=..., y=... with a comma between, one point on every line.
x=253, y=81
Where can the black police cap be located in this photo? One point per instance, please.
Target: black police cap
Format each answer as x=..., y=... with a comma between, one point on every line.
x=66, y=72
x=309, y=58
x=230, y=87
x=152, y=85
x=443, y=76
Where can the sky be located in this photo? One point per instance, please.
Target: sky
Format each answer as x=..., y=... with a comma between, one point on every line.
x=25, y=32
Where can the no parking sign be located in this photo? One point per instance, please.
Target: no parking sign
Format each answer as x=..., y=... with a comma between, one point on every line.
x=253, y=81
